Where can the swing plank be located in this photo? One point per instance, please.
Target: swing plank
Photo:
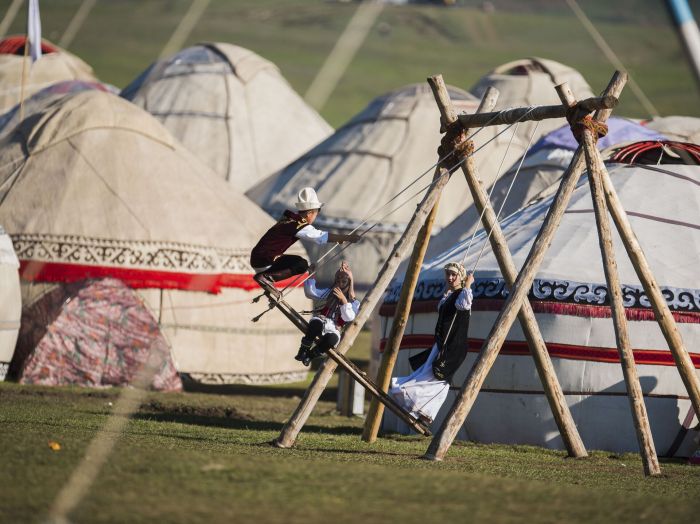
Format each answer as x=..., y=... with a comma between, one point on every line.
x=276, y=301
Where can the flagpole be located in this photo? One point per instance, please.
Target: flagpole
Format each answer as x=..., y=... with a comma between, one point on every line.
x=33, y=39
x=23, y=81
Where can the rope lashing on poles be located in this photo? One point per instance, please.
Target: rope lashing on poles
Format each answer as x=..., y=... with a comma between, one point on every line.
x=579, y=121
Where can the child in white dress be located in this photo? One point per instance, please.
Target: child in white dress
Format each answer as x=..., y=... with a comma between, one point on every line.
x=424, y=391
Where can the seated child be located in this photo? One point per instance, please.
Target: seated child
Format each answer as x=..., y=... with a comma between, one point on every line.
x=423, y=392
x=267, y=258
x=340, y=307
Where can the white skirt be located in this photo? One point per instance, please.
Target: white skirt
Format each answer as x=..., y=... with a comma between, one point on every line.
x=328, y=325
x=421, y=393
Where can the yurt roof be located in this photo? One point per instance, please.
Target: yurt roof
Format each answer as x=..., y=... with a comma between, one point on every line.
x=232, y=108
x=54, y=66
x=533, y=176
x=662, y=203
x=44, y=98
x=369, y=160
x=619, y=130
x=95, y=186
x=683, y=128
x=531, y=81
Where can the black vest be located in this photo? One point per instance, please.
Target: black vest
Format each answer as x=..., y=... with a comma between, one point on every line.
x=277, y=239
x=451, y=334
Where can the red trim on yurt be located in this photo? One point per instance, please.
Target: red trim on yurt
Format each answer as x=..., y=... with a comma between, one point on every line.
x=35, y=271
x=553, y=308
x=568, y=351
x=14, y=45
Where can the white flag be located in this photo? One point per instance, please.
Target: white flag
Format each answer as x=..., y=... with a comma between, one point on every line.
x=34, y=30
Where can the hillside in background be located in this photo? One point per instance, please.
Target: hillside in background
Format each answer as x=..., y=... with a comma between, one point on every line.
x=120, y=38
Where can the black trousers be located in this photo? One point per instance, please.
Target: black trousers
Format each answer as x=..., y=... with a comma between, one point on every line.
x=286, y=266
x=325, y=342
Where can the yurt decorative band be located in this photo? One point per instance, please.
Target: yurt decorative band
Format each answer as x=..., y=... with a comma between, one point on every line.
x=140, y=264
x=652, y=357
x=557, y=297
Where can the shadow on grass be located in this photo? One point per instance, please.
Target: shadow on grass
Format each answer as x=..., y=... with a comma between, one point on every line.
x=238, y=422
x=367, y=451
x=329, y=394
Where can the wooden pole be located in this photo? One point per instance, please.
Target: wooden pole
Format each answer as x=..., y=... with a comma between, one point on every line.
x=184, y=28
x=292, y=427
x=629, y=370
x=403, y=307
x=524, y=114
x=526, y=315
x=23, y=79
x=653, y=292
x=9, y=17
x=489, y=350
x=76, y=23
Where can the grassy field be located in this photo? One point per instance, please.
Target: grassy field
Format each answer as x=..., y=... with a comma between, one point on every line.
x=120, y=38
x=206, y=458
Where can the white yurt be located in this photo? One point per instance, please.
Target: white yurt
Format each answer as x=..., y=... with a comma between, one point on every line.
x=231, y=108
x=569, y=298
x=94, y=187
x=535, y=176
x=10, y=302
x=55, y=65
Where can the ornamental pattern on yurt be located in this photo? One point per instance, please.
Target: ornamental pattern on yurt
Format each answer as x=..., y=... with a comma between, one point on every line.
x=552, y=290
x=109, y=252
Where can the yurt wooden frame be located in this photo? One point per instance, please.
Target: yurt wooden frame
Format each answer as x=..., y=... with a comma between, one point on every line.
x=418, y=233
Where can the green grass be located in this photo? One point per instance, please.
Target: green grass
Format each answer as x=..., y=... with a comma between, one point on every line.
x=196, y=458
x=408, y=43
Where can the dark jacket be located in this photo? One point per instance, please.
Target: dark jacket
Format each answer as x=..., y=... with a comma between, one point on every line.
x=277, y=239
x=451, y=334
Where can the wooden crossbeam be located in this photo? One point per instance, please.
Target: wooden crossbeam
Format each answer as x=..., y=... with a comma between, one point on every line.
x=276, y=300
x=524, y=114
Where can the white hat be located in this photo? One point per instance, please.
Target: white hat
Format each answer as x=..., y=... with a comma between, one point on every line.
x=307, y=199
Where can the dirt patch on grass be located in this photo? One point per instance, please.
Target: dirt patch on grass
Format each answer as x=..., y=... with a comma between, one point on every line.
x=155, y=406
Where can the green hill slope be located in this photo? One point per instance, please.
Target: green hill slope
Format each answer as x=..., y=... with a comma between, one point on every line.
x=122, y=37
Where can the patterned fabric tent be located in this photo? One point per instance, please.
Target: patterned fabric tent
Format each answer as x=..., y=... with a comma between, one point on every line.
x=94, y=187
x=92, y=333
x=10, y=301
x=55, y=65
x=231, y=108
x=570, y=301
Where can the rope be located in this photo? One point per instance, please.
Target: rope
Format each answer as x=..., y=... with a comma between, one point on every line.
x=510, y=187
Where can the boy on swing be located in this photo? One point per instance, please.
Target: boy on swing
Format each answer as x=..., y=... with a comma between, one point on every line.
x=267, y=257
x=340, y=306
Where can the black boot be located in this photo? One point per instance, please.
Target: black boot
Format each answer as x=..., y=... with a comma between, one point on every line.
x=304, y=353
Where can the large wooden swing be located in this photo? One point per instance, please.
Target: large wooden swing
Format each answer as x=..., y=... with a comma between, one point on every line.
x=417, y=234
